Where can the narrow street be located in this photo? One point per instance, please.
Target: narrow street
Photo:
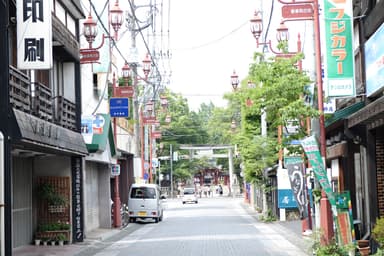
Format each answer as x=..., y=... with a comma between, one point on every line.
x=214, y=226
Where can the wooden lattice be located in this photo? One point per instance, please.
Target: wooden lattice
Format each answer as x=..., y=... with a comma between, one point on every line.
x=49, y=214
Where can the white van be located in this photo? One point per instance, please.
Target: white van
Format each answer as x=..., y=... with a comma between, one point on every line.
x=145, y=202
x=189, y=196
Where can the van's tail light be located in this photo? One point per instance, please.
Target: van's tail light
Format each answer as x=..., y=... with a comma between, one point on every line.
x=154, y=213
x=130, y=212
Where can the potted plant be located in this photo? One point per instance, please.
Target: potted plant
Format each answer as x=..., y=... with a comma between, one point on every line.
x=350, y=248
x=378, y=232
x=56, y=202
x=37, y=241
x=61, y=238
x=45, y=241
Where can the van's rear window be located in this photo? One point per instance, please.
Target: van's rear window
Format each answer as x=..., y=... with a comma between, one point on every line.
x=189, y=191
x=143, y=192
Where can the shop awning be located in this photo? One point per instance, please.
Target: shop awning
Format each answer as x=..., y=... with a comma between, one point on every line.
x=343, y=113
x=102, y=136
x=38, y=133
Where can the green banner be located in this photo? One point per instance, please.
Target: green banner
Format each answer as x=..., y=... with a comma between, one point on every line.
x=311, y=149
x=338, y=28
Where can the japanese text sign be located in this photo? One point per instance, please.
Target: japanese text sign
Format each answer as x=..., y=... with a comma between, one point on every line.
x=34, y=34
x=338, y=26
x=312, y=152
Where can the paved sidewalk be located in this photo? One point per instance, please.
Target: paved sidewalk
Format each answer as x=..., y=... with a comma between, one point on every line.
x=70, y=249
x=291, y=229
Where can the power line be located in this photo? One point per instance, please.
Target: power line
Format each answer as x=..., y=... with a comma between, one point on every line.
x=215, y=40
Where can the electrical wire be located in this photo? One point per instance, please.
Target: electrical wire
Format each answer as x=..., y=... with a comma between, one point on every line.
x=269, y=22
x=215, y=40
x=114, y=45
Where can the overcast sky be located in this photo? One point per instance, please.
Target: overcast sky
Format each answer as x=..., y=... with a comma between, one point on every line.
x=209, y=39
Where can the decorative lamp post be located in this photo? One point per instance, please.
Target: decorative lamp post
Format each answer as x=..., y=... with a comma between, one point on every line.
x=90, y=30
x=116, y=17
x=90, y=54
x=126, y=72
x=282, y=33
x=147, y=65
x=256, y=25
x=163, y=102
x=234, y=80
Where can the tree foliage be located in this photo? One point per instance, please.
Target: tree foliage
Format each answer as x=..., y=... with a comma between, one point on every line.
x=277, y=89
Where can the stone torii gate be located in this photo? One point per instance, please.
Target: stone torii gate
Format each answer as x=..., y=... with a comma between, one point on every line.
x=233, y=186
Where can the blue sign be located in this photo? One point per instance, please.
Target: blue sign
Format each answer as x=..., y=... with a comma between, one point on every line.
x=119, y=107
x=374, y=61
x=286, y=199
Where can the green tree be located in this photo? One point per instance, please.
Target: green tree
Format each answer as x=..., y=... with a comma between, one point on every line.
x=278, y=87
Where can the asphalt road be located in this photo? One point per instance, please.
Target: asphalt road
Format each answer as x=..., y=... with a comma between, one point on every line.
x=214, y=226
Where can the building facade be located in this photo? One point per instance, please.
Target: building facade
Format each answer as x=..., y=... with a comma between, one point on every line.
x=43, y=146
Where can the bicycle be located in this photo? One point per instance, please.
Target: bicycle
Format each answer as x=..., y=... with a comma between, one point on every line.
x=124, y=215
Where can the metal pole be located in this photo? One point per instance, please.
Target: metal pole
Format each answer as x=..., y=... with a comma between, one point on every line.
x=326, y=221
x=171, y=164
x=159, y=174
x=231, y=177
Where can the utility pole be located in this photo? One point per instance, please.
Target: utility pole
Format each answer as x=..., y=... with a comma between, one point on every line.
x=171, y=164
x=132, y=25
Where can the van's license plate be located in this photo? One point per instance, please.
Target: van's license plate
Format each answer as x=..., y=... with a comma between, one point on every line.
x=142, y=214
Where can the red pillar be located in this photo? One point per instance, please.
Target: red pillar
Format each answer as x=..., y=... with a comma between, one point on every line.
x=326, y=220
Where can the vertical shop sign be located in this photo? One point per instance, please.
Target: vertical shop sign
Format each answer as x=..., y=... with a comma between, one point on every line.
x=311, y=149
x=294, y=165
x=77, y=200
x=346, y=234
x=34, y=34
x=338, y=26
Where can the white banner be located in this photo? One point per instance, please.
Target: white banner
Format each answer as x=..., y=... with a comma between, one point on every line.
x=34, y=34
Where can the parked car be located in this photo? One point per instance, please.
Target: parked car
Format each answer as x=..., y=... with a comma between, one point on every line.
x=189, y=196
x=145, y=202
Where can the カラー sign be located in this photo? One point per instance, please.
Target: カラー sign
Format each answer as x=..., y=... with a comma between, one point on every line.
x=338, y=26
x=34, y=34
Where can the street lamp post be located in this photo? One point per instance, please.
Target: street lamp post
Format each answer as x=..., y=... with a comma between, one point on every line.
x=234, y=80
x=140, y=121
